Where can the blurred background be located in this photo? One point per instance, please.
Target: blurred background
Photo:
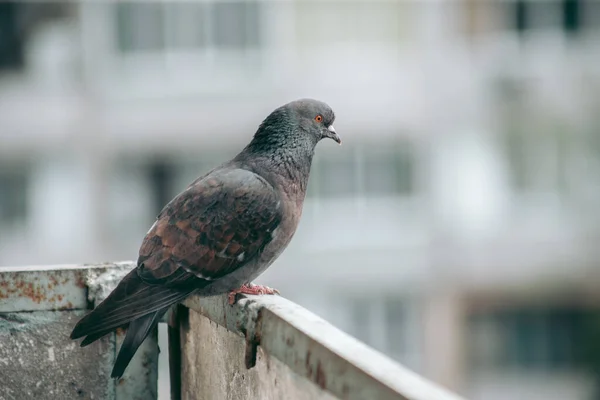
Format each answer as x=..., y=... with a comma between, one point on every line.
x=456, y=230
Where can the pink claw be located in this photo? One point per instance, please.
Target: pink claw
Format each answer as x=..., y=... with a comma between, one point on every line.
x=251, y=289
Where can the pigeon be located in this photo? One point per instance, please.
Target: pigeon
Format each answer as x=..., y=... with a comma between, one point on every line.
x=219, y=234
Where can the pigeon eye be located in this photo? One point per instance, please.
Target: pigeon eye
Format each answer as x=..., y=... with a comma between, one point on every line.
x=319, y=118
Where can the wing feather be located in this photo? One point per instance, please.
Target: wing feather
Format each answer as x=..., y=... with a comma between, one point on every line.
x=214, y=227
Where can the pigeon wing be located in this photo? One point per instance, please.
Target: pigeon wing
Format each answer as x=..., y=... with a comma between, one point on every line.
x=214, y=227
x=217, y=225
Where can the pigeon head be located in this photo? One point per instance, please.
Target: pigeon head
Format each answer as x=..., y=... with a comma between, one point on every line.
x=315, y=118
x=298, y=125
x=284, y=144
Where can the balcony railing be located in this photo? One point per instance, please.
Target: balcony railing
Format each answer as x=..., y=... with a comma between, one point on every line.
x=261, y=348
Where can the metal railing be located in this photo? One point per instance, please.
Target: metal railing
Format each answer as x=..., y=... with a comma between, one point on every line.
x=263, y=347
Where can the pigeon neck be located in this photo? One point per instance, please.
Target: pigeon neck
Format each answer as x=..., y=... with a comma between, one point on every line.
x=286, y=165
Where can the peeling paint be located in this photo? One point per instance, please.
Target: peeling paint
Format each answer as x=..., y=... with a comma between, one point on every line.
x=43, y=288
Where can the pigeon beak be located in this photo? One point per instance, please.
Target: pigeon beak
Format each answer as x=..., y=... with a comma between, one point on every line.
x=332, y=134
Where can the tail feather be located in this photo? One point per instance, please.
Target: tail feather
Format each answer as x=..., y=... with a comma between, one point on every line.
x=133, y=304
x=89, y=339
x=110, y=319
x=131, y=299
x=137, y=332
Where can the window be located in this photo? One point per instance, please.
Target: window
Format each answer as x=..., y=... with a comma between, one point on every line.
x=235, y=25
x=518, y=145
x=336, y=176
x=19, y=20
x=388, y=171
x=556, y=14
x=158, y=26
x=521, y=15
x=388, y=324
x=539, y=155
x=397, y=329
x=161, y=175
x=590, y=15
x=354, y=21
x=539, y=145
x=369, y=171
x=534, y=338
x=13, y=196
x=11, y=42
x=140, y=26
x=361, y=319
x=524, y=16
x=571, y=15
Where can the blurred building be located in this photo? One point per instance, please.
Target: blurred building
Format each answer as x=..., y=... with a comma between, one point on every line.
x=456, y=230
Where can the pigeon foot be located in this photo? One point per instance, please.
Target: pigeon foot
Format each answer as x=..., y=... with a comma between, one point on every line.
x=251, y=288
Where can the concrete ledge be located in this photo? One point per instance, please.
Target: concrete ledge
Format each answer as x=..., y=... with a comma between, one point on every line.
x=263, y=347
x=38, y=308
x=58, y=287
x=309, y=347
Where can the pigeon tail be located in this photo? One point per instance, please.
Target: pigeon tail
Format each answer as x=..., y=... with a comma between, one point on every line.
x=137, y=332
x=132, y=298
x=133, y=304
